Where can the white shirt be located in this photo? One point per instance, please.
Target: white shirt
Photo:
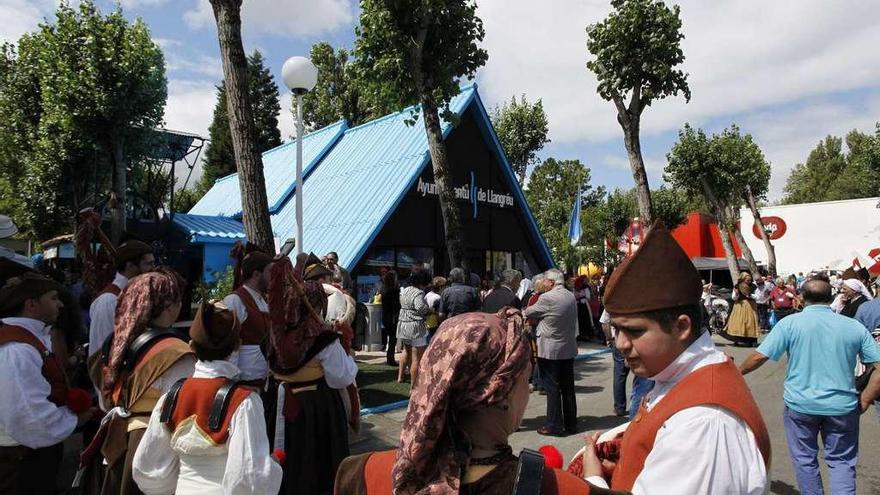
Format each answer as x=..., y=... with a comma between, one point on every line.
x=251, y=360
x=186, y=462
x=26, y=415
x=102, y=313
x=762, y=293
x=718, y=448
x=339, y=368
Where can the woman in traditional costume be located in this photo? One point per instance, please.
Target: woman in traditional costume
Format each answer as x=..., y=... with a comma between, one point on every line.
x=470, y=397
x=742, y=324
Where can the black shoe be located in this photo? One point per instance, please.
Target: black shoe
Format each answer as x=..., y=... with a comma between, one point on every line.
x=547, y=432
x=571, y=431
x=619, y=412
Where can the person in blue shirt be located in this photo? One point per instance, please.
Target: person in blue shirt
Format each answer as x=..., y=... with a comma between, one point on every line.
x=820, y=394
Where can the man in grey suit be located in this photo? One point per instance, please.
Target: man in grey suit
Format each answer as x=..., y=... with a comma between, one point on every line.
x=556, y=312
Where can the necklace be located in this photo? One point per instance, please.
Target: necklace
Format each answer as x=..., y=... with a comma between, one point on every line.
x=505, y=452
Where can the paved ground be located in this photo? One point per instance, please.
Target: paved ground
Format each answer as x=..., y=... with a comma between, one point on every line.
x=595, y=410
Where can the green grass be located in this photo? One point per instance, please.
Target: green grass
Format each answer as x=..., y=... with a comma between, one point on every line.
x=378, y=385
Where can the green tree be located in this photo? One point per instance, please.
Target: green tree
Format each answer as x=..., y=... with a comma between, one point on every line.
x=720, y=168
x=240, y=108
x=831, y=173
x=522, y=130
x=80, y=99
x=636, y=50
x=418, y=50
x=553, y=186
x=219, y=157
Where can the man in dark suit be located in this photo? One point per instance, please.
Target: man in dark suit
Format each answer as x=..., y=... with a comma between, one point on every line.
x=505, y=295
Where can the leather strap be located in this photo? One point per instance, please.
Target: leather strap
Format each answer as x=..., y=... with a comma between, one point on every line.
x=529, y=473
x=221, y=403
x=142, y=344
x=171, y=401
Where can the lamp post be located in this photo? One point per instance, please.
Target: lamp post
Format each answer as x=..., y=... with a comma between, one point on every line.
x=300, y=75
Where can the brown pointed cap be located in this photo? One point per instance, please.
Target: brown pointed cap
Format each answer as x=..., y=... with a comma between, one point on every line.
x=848, y=274
x=29, y=285
x=658, y=276
x=215, y=328
x=314, y=268
x=256, y=260
x=132, y=251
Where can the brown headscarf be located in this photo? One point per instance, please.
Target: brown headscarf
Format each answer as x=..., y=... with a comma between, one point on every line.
x=98, y=266
x=296, y=314
x=472, y=363
x=144, y=298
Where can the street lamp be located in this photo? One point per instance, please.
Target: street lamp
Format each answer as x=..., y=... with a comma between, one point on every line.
x=300, y=75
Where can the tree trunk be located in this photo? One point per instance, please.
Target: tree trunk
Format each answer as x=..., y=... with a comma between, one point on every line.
x=721, y=222
x=252, y=183
x=117, y=192
x=448, y=205
x=746, y=250
x=640, y=177
x=756, y=216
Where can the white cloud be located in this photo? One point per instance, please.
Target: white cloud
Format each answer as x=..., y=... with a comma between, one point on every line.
x=190, y=108
x=133, y=4
x=202, y=65
x=286, y=122
x=285, y=18
x=22, y=16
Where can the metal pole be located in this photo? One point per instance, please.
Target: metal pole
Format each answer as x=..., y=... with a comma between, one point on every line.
x=299, y=173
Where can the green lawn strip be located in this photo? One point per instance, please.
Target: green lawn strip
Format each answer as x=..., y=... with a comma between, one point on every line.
x=378, y=385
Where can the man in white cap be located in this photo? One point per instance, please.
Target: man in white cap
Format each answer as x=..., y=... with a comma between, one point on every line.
x=8, y=229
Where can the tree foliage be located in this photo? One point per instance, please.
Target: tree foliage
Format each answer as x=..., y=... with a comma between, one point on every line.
x=636, y=50
x=831, y=173
x=522, y=130
x=419, y=50
x=219, y=157
x=78, y=102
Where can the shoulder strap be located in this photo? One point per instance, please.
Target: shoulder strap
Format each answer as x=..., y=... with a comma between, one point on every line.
x=220, y=404
x=142, y=344
x=171, y=401
x=529, y=473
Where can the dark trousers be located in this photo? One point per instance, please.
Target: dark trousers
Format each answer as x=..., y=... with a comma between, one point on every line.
x=585, y=323
x=764, y=316
x=389, y=337
x=621, y=371
x=557, y=377
x=25, y=471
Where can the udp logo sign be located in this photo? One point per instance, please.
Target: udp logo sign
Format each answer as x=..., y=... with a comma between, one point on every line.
x=774, y=226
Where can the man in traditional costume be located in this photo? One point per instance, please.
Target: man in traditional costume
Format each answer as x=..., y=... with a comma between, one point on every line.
x=208, y=434
x=472, y=395
x=309, y=369
x=250, y=306
x=36, y=409
x=698, y=430
x=143, y=360
x=132, y=258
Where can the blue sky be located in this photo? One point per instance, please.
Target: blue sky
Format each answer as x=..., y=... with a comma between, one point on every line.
x=789, y=71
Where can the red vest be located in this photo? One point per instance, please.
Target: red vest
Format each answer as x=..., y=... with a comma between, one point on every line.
x=195, y=400
x=110, y=289
x=714, y=385
x=255, y=329
x=53, y=369
x=377, y=477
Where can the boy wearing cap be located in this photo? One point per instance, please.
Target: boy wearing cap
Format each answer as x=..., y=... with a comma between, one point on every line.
x=252, y=311
x=700, y=413
x=207, y=435
x=34, y=417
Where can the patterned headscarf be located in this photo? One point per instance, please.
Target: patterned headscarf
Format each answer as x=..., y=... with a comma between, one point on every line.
x=144, y=298
x=473, y=362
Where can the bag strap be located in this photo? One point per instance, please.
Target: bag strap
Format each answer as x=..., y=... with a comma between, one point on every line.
x=529, y=473
x=142, y=344
x=171, y=401
x=220, y=404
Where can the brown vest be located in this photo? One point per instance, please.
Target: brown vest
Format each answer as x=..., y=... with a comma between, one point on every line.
x=255, y=329
x=52, y=370
x=714, y=385
x=370, y=474
x=195, y=399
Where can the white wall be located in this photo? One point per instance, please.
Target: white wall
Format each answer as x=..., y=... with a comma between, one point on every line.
x=819, y=235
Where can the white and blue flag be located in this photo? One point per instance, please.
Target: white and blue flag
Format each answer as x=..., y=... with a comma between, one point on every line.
x=574, y=224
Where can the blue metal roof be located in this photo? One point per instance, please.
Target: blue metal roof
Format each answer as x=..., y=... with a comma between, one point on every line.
x=210, y=228
x=360, y=179
x=279, y=169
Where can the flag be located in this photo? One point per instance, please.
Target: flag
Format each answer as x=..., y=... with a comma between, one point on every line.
x=574, y=224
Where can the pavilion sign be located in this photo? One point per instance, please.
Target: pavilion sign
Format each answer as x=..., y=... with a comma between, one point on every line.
x=468, y=192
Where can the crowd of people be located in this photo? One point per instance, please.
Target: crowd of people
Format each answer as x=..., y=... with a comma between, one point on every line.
x=258, y=394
